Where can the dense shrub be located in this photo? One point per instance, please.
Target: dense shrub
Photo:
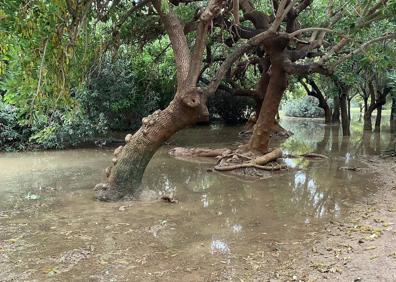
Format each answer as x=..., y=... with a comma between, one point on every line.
x=116, y=95
x=10, y=132
x=229, y=108
x=125, y=91
x=65, y=129
x=303, y=107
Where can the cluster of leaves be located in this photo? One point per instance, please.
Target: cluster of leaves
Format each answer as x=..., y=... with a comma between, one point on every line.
x=303, y=107
x=10, y=131
x=65, y=129
x=63, y=84
x=125, y=90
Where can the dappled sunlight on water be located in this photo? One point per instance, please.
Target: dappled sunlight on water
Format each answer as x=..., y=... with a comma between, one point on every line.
x=224, y=226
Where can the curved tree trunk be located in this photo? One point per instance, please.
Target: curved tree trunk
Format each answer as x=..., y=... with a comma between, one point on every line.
x=187, y=107
x=315, y=92
x=322, y=101
x=131, y=160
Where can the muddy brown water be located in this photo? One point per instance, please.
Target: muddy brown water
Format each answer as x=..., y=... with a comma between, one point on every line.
x=223, y=228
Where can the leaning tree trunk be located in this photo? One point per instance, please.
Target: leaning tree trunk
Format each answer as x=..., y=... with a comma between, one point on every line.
x=315, y=92
x=130, y=161
x=344, y=114
x=323, y=104
x=336, y=110
x=259, y=141
x=378, y=120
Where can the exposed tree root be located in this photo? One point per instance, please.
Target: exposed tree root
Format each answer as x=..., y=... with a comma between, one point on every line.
x=307, y=155
x=198, y=152
x=228, y=160
x=248, y=165
x=314, y=155
x=259, y=162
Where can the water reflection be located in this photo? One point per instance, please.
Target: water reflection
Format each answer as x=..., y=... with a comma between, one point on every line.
x=219, y=247
x=236, y=228
x=299, y=179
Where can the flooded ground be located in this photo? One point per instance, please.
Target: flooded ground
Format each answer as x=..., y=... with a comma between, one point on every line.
x=223, y=228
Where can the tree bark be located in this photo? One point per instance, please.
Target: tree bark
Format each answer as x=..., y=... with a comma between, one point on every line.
x=315, y=92
x=344, y=113
x=336, y=110
x=378, y=120
x=349, y=110
x=259, y=141
x=131, y=160
x=367, y=120
x=187, y=107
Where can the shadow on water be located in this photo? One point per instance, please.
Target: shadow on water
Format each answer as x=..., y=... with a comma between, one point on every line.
x=223, y=226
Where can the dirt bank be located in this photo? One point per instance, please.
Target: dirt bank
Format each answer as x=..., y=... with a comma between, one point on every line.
x=361, y=247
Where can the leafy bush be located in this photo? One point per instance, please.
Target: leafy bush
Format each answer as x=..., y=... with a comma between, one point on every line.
x=303, y=107
x=10, y=132
x=62, y=129
x=65, y=129
x=125, y=91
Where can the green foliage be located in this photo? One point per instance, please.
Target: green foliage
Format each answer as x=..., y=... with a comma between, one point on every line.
x=46, y=53
x=68, y=72
x=302, y=107
x=124, y=91
x=10, y=132
x=65, y=129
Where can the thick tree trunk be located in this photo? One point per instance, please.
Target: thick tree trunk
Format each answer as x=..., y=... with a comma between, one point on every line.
x=327, y=113
x=131, y=160
x=259, y=141
x=367, y=124
x=378, y=120
x=344, y=114
x=336, y=110
x=367, y=120
x=365, y=104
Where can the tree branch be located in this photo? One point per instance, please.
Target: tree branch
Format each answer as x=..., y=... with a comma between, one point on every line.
x=364, y=46
x=175, y=31
x=205, y=19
